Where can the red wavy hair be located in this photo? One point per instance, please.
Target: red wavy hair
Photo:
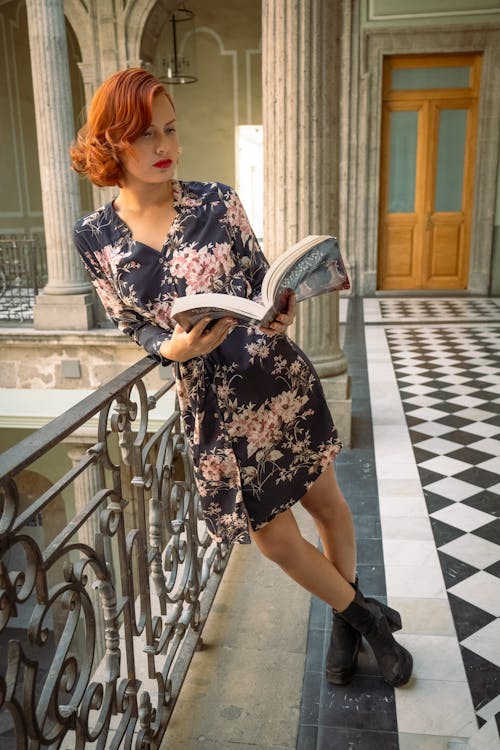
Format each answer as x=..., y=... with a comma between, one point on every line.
x=120, y=112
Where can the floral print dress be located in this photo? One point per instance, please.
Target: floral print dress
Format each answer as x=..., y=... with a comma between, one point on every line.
x=255, y=416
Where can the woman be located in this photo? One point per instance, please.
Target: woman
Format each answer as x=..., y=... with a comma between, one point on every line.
x=259, y=430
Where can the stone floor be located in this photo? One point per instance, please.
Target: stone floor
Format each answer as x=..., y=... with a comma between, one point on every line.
x=422, y=479
x=423, y=483
x=16, y=303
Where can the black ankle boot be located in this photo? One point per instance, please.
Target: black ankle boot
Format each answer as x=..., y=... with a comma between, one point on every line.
x=375, y=621
x=342, y=656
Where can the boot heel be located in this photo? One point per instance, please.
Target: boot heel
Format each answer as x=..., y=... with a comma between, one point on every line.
x=392, y=616
x=374, y=621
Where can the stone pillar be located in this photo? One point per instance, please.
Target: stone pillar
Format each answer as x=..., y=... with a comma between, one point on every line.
x=300, y=106
x=85, y=487
x=66, y=301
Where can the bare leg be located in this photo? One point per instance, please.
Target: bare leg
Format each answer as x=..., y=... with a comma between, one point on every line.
x=332, y=516
x=281, y=541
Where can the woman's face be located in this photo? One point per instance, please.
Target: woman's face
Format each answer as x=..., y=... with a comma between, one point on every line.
x=155, y=152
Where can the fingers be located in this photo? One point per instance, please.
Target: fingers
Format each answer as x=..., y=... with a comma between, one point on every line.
x=198, y=329
x=218, y=332
x=282, y=320
x=286, y=317
x=277, y=326
x=206, y=340
x=199, y=340
x=292, y=303
x=218, y=329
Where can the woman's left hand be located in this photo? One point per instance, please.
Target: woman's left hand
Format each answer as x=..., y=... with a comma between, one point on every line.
x=282, y=320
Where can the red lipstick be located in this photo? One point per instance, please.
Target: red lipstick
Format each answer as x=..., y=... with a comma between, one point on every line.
x=163, y=164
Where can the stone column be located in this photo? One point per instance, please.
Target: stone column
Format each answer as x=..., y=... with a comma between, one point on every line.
x=85, y=487
x=301, y=181
x=66, y=301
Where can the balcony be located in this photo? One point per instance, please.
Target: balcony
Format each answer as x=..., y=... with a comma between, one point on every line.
x=107, y=573
x=108, y=578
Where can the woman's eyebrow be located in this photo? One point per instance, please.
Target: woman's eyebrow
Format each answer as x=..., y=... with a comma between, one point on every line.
x=152, y=125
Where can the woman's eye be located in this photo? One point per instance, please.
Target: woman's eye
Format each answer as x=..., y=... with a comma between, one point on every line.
x=169, y=131
x=147, y=134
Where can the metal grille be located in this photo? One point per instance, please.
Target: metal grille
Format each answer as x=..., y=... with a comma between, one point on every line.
x=23, y=272
x=100, y=616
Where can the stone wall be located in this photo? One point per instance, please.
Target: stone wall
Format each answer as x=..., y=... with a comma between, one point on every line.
x=52, y=359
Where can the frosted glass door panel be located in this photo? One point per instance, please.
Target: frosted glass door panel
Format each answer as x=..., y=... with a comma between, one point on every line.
x=411, y=79
x=402, y=161
x=450, y=161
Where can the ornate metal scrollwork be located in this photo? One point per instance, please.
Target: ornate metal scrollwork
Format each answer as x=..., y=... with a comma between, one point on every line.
x=140, y=591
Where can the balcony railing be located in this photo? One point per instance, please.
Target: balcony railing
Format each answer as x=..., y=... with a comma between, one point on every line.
x=107, y=573
x=23, y=272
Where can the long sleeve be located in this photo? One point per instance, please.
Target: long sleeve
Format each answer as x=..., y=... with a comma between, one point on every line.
x=246, y=246
x=145, y=333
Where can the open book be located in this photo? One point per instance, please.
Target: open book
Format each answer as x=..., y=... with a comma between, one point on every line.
x=311, y=267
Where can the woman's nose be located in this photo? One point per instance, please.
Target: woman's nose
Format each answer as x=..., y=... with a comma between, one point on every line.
x=162, y=143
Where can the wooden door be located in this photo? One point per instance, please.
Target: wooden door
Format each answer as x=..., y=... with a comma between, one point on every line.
x=427, y=171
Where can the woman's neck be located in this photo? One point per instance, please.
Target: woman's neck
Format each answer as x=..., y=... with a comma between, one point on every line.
x=135, y=198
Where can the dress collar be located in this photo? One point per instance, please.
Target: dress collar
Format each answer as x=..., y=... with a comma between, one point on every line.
x=177, y=193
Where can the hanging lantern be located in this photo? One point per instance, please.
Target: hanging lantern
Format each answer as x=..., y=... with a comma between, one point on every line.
x=179, y=66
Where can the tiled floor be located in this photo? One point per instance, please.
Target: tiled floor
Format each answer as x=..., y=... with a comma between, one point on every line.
x=423, y=481
x=16, y=303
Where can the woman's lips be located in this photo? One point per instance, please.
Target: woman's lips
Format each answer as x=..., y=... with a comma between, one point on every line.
x=164, y=164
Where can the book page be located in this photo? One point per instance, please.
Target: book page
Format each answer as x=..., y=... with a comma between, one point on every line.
x=190, y=309
x=189, y=318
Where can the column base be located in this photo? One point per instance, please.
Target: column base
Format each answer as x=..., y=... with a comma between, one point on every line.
x=339, y=399
x=68, y=312
x=328, y=365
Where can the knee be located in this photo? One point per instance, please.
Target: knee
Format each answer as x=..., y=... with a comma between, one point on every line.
x=278, y=549
x=329, y=509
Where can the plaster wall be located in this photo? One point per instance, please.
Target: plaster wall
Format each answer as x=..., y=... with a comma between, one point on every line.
x=20, y=190
x=228, y=91
x=20, y=196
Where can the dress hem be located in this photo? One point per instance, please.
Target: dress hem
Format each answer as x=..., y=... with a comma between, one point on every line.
x=291, y=503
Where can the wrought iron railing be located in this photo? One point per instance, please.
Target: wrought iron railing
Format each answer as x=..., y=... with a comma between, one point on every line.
x=101, y=614
x=23, y=272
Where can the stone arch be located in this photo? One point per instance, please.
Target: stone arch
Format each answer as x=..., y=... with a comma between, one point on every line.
x=145, y=20
x=79, y=20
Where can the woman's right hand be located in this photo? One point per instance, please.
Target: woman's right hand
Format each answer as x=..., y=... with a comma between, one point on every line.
x=198, y=341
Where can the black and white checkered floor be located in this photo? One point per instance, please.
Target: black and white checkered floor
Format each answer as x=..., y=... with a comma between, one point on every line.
x=449, y=381
x=436, y=309
x=434, y=390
